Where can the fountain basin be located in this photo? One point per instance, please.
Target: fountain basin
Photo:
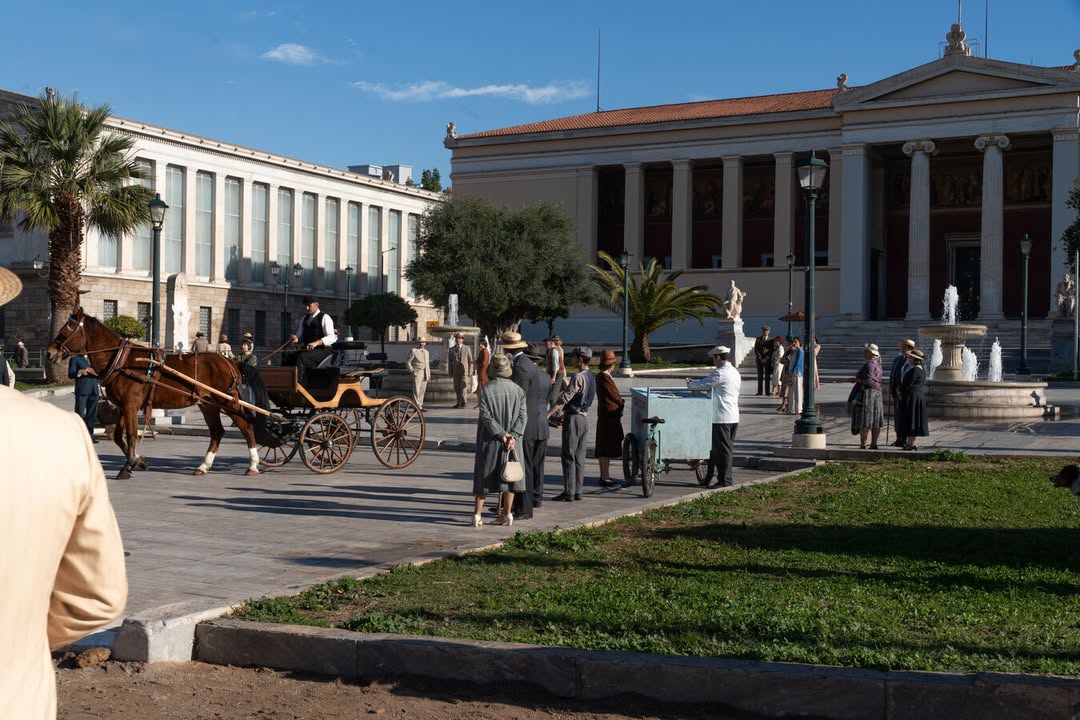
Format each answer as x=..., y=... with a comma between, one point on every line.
x=990, y=401
x=952, y=344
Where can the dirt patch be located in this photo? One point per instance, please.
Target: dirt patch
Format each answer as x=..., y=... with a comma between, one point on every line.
x=193, y=691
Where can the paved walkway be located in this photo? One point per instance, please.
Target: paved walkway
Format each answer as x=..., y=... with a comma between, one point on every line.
x=226, y=537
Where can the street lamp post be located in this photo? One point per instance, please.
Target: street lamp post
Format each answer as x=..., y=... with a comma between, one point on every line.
x=1025, y=248
x=624, y=263
x=39, y=268
x=808, y=430
x=348, y=300
x=157, y=219
x=297, y=272
x=790, y=269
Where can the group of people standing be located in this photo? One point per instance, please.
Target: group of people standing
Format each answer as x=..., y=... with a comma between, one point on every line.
x=780, y=369
x=907, y=388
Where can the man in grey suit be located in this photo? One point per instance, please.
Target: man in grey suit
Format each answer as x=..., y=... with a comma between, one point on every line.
x=460, y=365
x=535, y=439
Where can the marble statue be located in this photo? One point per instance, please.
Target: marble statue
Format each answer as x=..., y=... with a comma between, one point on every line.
x=733, y=302
x=451, y=130
x=179, y=314
x=841, y=82
x=1066, y=297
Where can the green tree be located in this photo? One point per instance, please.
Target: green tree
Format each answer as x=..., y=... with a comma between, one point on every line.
x=380, y=312
x=504, y=265
x=656, y=300
x=63, y=172
x=548, y=316
x=126, y=327
x=1070, y=239
x=430, y=180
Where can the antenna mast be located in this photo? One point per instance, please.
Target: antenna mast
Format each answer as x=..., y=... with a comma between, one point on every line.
x=986, y=31
x=598, y=69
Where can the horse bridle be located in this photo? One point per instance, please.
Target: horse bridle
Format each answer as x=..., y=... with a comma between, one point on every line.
x=61, y=349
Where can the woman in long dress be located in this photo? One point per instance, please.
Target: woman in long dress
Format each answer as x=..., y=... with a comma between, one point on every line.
x=777, y=360
x=609, y=410
x=914, y=419
x=867, y=409
x=502, y=421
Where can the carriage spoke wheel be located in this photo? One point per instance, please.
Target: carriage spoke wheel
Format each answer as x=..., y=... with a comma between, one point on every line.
x=648, y=469
x=701, y=472
x=353, y=419
x=630, y=459
x=325, y=443
x=278, y=456
x=397, y=433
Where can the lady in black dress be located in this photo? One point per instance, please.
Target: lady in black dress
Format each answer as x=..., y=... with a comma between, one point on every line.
x=912, y=410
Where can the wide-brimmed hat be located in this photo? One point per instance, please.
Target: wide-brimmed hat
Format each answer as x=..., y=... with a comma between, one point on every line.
x=500, y=366
x=720, y=350
x=512, y=341
x=309, y=299
x=917, y=354
x=10, y=286
x=421, y=339
x=872, y=349
x=249, y=336
x=459, y=335
x=907, y=343
x=607, y=358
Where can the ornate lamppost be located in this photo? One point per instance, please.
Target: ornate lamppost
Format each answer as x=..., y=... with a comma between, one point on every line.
x=382, y=266
x=1025, y=249
x=790, y=270
x=624, y=263
x=348, y=300
x=297, y=272
x=808, y=430
x=157, y=220
x=42, y=272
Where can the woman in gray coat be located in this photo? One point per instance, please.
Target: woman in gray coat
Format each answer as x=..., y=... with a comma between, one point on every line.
x=503, y=416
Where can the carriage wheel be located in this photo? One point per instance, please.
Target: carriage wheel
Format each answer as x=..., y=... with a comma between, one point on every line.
x=701, y=471
x=353, y=419
x=278, y=456
x=325, y=443
x=631, y=459
x=397, y=433
x=649, y=470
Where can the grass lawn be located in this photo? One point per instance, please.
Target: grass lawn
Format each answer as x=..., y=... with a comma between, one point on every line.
x=959, y=565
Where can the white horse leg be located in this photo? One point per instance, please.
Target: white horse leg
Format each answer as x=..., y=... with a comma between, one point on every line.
x=207, y=463
x=253, y=467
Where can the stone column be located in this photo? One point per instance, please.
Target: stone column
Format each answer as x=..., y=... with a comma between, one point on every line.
x=634, y=212
x=836, y=202
x=784, y=210
x=218, y=261
x=682, y=220
x=731, y=247
x=1066, y=171
x=918, y=291
x=587, y=189
x=854, y=230
x=271, y=233
x=341, y=281
x=992, y=242
x=319, y=281
x=188, y=240
x=244, y=246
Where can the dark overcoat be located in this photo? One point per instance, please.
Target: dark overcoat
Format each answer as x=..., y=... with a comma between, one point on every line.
x=912, y=411
x=502, y=411
x=609, y=410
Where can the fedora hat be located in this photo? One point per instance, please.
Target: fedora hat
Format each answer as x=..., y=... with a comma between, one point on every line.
x=512, y=341
x=872, y=349
x=720, y=350
x=500, y=366
x=310, y=299
x=907, y=343
x=607, y=358
x=917, y=354
x=10, y=286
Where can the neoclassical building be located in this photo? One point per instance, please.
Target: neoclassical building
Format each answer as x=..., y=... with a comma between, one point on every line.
x=234, y=212
x=935, y=176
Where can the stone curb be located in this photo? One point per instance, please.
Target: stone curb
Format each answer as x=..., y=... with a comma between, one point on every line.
x=164, y=634
x=766, y=689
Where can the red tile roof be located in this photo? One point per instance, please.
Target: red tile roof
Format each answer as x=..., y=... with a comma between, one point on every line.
x=708, y=109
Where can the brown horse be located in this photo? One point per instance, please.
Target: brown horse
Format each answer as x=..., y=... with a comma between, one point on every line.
x=135, y=382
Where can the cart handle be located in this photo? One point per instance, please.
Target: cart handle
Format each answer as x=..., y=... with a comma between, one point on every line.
x=654, y=421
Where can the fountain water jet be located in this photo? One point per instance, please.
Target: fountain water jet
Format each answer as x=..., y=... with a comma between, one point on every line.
x=995, y=362
x=969, y=365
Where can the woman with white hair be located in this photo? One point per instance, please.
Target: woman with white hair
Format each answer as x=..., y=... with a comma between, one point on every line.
x=867, y=410
x=503, y=416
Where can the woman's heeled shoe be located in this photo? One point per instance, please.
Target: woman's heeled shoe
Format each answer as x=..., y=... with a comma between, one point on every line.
x=477, y=521
x=507, y=519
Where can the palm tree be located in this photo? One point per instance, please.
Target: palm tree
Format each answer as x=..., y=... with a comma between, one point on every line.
x=655, y=300
x=61, y=171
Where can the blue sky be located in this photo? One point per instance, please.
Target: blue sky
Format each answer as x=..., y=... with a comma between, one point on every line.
x=343, y=83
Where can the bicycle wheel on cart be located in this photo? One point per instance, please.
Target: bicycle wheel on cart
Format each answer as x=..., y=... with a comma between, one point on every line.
x=701, y=472
x=649, y=470
x=631, y=459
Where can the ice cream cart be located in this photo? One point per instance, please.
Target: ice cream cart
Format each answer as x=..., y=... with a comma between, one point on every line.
x=667, y=425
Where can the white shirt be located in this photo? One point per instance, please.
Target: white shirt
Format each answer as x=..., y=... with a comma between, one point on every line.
x=329, y=336
x=725, y=384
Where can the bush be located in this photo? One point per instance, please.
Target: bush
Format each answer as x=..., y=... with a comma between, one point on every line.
x=126, y=327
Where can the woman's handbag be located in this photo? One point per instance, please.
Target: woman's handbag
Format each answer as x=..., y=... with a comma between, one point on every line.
x=854, y=398
x=512, y=472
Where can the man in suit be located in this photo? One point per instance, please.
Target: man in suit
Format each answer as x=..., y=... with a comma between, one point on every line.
x=900, y=367
x=201, y=344
x=69, y=578
x=419, y=364
x=86, y=390
x=535, y=439
x=763, y=348
x=460, y=365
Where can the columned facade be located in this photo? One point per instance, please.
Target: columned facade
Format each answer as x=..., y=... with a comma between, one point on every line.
x=918, y=303
x=992, y=240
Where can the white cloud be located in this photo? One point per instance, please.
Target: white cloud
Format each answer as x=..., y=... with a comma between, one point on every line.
x=439, y=90
x=293, y=54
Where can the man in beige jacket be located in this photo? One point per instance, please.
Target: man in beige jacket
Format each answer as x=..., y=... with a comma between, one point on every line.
x=62, y=572
x=419, y=364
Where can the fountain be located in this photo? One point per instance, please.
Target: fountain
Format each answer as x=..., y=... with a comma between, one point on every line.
x=935, y=359
x=954, y=391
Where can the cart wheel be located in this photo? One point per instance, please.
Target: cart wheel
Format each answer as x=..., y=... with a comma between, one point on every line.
x=353, y=419
x=325, y=443
x=631, y=459
x=277, y=456
x=397, y=433
x=648, y=469
x=701, y=470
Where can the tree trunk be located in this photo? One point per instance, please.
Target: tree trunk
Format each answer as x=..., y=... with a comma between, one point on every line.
x=65, y=274
x=639, y=349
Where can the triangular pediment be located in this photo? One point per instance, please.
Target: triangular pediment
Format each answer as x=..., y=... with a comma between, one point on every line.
x=959, y=77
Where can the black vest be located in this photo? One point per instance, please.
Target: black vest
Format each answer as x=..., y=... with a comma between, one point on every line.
x=312, y=327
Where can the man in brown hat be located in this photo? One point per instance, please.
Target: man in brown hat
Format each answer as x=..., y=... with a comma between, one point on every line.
x=899, y=368
x=534, y=441
x=459, y=361
x=73, y=581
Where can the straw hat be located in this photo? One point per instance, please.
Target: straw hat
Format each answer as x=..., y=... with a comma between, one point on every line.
x=512, y=341
x=10, y=286
x=720, y=350
x=872, y=349
x=500, y=366
x=907, y=344
x=917, y=354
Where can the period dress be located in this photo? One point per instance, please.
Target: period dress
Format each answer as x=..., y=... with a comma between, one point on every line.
x=609, y=410
x=914, y=419
x=867, y=407
x=502, y=410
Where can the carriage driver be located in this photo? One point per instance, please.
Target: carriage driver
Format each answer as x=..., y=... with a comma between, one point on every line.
x=315, y=334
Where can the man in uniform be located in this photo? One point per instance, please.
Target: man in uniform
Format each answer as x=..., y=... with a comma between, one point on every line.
x=86, y=390
x=535, y=438
x=419, y=364
x=575, y=402
x=460, y=365
x=315, y=334
x=724, y=383
x=900, y=367
x=763, y=348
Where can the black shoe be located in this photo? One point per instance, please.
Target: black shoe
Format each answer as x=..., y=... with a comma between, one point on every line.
x=608, y=484
x=577, y=497
x=96, y=441
x=898, y=443
x=522, y=517
x=562, y=497
x=537, y=502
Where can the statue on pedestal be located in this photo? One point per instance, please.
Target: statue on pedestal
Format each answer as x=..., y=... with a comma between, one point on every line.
x=733, y=302
x=1066, y=297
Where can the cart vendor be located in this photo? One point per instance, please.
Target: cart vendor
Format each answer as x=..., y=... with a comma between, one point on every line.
x=724, y=382
x=315, y=334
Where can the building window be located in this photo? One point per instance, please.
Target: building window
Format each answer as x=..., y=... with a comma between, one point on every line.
x=108, y=251
x=393, y=253
x=108, y=312
x=142, y=314
x=352, y=239
x=330, y=247
x=260, y=235
x=232, y=325
x=284, y=227
x=143, y=247
x=374, y=259
x=204, y=321
x=307, y=238
x=204, y=224
x=173, y=241
x=413, y=235
x=260, y=327
x=232, y=229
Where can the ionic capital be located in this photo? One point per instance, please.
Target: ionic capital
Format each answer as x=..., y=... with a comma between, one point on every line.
x=924, y=146
x=984, y=141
